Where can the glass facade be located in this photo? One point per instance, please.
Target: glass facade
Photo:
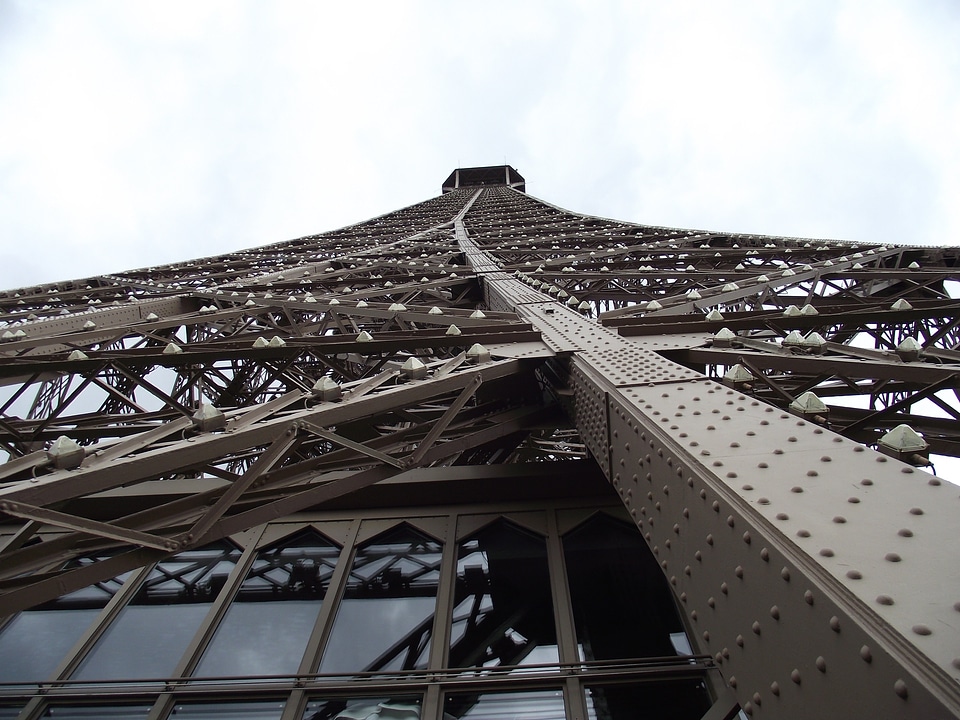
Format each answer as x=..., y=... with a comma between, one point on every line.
x=503, y=610
x=36, y=640
x=267, y=626
x=385, y=619
x=455, y=615
x=163, y=616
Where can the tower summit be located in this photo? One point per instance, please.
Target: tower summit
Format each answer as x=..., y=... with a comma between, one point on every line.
x=485, y=456
x=484, y=176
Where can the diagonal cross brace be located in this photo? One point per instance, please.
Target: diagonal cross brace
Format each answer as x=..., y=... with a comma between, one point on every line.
x=84, y=525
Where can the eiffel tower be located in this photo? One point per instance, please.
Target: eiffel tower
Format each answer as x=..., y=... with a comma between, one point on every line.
x=484, y=456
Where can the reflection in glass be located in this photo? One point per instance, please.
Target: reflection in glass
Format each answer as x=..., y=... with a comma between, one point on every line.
x=536, y=705
x=622, y=606
x=151, y=633
x=397, y=708
x=267, y=627
x=673, y=699
x=385, y=619
x=39, y=638
x=503, y=613
x=270, y=710
x=89, y=712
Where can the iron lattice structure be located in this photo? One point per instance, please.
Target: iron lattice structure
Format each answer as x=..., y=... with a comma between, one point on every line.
x=485, y=333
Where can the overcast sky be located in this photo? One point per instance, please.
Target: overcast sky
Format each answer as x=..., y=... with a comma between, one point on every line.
x=136, y=133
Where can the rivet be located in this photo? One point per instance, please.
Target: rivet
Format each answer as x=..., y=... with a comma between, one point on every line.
x=693, y=615
x=676, y=528
x=726, y=653
x=916, y=511
x=775, y=612
x=826, y=458
x=716, y=506
x=731, y=521
x=686, y=512
x=808, y=597
x=746, y=538
x=922, y=630
x=865, y=654
x=706, y=636
x=866, y=481
x=756, y=628
x=795, y=676
x=673, y=580
x=892, y=557
x=765, y=555
x=812, y=473
x=881, y=459
x=884, y=599
x=900, y=688
x=724, y=588
x=933, y=481
x=711, y=601
x=775, y=688
x=698, y=556
x=904, y=532
x=709, y=539
x=667, y=544
x=738, y=571
x=835, y=623
x=792, y=438
x=703, y=494
x=687, y=570
x=796, y=489
x=956, y=606
x=762, y=465
x=739, y=642
x=763, y=501
x=853, y=500
x=782, y=516
x=785, y=574
x=803, y=533
x=683, y=597
x=826, y=552
x=854, y=574
x=821, y=664
x=756, y=698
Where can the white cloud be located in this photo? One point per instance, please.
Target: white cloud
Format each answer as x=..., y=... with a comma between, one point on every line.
x=136, y=134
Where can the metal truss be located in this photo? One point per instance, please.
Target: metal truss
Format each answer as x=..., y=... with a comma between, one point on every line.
x=154, y=411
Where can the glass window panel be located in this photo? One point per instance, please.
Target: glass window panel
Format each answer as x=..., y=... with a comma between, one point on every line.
x=503, y=611
x=9, y=712
x=396, y=708
x=622, y=605
x=535, y=705
x=86, y=712
x=267, y=626
x=151, y=633
x=673, y=699
x=39, y=638
x=385, y=619
x=269, y=710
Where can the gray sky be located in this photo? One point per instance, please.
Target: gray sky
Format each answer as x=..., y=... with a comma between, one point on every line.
x=138, y=133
